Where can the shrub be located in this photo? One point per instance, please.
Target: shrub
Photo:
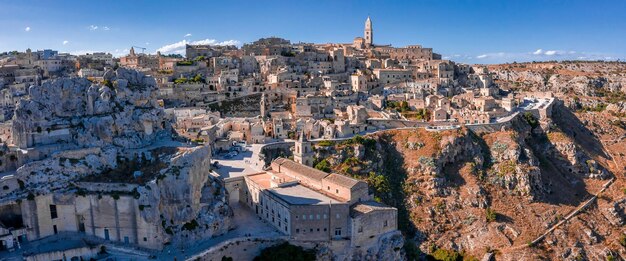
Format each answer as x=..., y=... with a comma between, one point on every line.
x=506, y=168
x=491, y=215
x=184, y=63
x=447, y=255
x=169, y=231
x=285, y=252
x=107, y=83
x=379, y=183
x=325, y=143
x=193, y=224
x=411, y=250
x=530, y=118
x=324, y=166
x=30, y=196
x=622, y=240
x=181, y=80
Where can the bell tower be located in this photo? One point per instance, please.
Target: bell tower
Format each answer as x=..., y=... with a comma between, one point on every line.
x=368, y=33
x=303, y=153
x=264, y=106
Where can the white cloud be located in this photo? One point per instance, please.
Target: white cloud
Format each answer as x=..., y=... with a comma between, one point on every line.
x=147, y=43
x=536, y=55
x=187, y=35
x=96, y=28
x=179, y=47
x=27, y=29
x=551, y=52
x=66, y=42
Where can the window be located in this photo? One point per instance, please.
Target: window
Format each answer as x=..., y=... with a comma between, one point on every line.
x=360, y=229
x=54, y=228
x=337, y=191
x=385, y=223
x=318, y=216
x=303, y=217
x=145, y=239
x=325, y=216
x=311, y=217
x=337, y=216
x=338, y=231
x=311, y=230
x=53, y=212
x=297, y=230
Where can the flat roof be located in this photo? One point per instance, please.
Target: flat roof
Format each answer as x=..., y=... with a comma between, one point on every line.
x=300, y=195
x=362, y=208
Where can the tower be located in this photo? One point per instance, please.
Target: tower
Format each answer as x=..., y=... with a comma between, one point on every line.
x=303, y=152
x=263, y=106
x=369, y=33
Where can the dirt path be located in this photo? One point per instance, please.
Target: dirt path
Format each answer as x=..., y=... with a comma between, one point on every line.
x=575, y=211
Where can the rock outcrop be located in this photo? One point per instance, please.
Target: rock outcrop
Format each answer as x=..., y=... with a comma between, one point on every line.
x=111, y=139
x=189, y=203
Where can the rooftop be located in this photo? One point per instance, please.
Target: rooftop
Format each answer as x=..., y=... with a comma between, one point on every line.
x=342, y=180
x=301, y=195
x=301, y=169
x=367, y=207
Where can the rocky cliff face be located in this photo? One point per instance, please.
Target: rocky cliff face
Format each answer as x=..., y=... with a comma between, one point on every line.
x=581, y=78
x=477, y=192
x=116, y=133
x=388, y=247
x=78, y=113
x=189, y=203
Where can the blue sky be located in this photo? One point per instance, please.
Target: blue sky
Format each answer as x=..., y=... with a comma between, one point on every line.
x=472, y=31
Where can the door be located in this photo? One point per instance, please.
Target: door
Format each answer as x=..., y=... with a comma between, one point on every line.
x=106, y=233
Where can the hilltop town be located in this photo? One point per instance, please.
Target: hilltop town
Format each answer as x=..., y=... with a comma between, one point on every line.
x=342, y=151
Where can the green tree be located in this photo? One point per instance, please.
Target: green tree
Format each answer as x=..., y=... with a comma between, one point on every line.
x=323, y=165
x=198, y=79
x=491, y=215
x=285, y=252
x=379, y=183
x=530, y=118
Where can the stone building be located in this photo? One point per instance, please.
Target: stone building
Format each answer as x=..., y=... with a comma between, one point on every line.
x=368, y=34
x=307, y=204
x=303, y=152
x=139, y=61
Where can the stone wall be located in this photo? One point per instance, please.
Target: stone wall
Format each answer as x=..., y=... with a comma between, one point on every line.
x=238, y=248
x=83, y=253
x=269, y=152
x=106, y=187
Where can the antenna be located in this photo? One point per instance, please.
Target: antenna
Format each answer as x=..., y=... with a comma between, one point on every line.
x=143, y=49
